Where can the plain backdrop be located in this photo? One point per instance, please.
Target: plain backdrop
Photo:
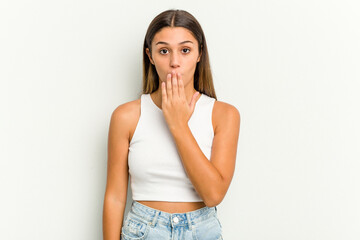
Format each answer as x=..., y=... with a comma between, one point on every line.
x=291, y=68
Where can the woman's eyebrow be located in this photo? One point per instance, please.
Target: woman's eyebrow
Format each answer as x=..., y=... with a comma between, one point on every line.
x=187, y=41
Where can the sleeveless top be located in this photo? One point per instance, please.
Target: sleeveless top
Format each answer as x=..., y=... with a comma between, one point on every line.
x=155, y=167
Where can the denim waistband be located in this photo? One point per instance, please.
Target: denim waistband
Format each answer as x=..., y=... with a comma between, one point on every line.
x=155, y=216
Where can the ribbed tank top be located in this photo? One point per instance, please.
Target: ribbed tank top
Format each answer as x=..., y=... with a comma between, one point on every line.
x=155, y=168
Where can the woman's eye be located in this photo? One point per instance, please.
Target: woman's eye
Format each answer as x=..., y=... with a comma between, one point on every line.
x=186, y=50
x=163, y=51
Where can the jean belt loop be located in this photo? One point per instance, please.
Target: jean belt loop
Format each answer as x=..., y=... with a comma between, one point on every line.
x=157, y=213
x=189, y=220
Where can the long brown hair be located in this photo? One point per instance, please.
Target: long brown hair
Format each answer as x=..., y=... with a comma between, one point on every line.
x=203, y=81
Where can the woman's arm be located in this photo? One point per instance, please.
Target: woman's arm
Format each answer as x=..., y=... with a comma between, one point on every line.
x=122, y=120
x=211, y=179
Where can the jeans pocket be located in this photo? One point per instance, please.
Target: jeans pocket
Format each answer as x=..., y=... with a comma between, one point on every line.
x=134, y=228
x=209, y=229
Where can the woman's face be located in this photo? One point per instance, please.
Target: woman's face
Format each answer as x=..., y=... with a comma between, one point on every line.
x=174, y=49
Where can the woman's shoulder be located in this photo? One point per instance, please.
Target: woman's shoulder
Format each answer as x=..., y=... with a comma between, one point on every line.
x=127, y=107
x=225, y=108
x=127, y=112
x=225, y=114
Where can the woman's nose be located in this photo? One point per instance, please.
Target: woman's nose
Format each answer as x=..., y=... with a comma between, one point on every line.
x=174, y=60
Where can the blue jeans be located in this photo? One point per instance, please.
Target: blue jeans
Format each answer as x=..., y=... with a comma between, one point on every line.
x=143, y=222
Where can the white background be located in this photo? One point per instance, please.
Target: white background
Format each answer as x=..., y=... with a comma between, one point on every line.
x=290, y=67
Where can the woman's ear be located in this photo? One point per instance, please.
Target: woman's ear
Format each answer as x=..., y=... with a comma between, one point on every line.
x=149, y=55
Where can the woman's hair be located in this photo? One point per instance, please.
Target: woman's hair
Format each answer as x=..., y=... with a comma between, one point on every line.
x=203, y=81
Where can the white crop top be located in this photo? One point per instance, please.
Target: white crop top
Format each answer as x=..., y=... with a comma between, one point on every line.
x=155, y=168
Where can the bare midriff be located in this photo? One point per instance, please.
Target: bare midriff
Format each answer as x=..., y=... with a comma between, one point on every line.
x=174, y=207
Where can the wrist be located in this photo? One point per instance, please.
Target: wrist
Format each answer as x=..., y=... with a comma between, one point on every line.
x=179, y=130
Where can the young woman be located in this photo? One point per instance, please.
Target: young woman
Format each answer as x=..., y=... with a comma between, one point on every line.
x=177, y=142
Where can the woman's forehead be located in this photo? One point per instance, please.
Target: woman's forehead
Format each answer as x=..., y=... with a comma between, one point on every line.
x=174, y=36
